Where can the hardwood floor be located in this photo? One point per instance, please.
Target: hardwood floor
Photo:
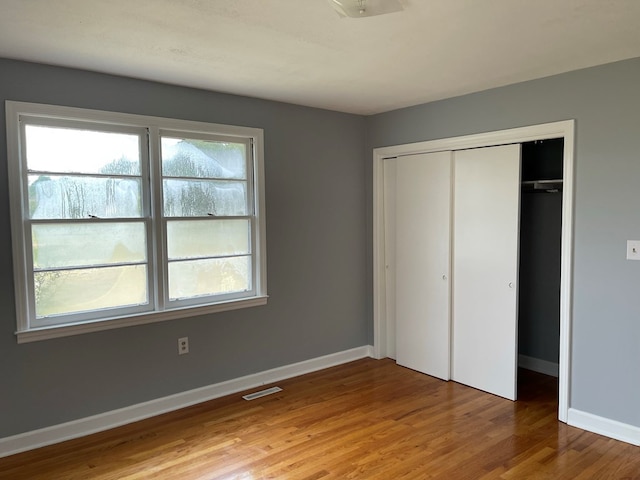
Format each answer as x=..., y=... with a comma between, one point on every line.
x=368, y=419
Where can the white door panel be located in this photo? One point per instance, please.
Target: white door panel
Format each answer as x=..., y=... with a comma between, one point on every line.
x=485, y=268
x=422, y=255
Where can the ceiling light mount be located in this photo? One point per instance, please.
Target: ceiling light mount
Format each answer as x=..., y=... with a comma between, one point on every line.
x=365, y=8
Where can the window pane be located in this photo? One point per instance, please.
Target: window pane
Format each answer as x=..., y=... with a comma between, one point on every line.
x=207, y=238
x=54, y=196
x=183, y=157
x=209, y=277
x=192, y=198
x=69, y=245
x=69, y=150
x=72, y=291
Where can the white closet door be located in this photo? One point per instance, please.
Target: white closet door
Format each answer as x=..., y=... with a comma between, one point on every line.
x=485, y=268
x=422, y=254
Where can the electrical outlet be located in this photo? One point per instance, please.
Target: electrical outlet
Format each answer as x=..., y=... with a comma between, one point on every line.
x=183, y=345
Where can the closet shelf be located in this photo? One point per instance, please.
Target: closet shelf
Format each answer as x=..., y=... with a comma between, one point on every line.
x=552, y=186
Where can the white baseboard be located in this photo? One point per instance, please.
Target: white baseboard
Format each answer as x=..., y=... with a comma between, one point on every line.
x=604, y=426
x=115, y=418
x=538, y=365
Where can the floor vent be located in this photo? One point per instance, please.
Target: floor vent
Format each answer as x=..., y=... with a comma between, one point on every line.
x=262, y=393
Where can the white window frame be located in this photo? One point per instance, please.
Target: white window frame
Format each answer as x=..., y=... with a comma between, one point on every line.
x=155, y=126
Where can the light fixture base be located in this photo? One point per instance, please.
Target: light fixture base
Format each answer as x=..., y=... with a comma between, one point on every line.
x=365, y=8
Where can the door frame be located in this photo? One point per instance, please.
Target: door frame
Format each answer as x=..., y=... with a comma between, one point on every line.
x=562, y=129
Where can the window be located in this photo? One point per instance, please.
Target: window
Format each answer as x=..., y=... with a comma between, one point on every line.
x=123, y=219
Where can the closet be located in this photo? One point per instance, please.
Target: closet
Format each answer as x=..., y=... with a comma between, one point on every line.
x=452, y=243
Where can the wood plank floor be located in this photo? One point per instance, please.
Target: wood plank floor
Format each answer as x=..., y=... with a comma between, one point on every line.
x=368, y=419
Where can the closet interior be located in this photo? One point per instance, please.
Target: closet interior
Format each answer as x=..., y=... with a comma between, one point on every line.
x=540, y=260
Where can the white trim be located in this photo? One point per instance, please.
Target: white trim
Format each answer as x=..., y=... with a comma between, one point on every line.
x=563, y=129
x=115, y=418
x=57, y=331
x=487, y=139
x=261, y=210
x=566, y=274
x=379, y=266
x=538, y=365
x=17, y=230
x=604, y=426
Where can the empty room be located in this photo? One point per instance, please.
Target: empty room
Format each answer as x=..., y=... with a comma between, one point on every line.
x=304, y=239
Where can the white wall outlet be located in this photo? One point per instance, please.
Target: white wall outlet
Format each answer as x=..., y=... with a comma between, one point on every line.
x=183, y=345
x=633, y=249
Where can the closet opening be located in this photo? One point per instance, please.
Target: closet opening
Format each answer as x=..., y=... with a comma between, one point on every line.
x=539, y=269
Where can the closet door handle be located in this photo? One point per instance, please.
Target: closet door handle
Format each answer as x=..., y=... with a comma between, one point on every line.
x=510, y=284
x=444, y=277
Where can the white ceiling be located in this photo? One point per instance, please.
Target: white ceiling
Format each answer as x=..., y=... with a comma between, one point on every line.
x=302, y=52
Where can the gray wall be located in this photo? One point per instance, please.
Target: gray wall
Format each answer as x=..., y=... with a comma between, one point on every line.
x=605, y=101
x=315, y=196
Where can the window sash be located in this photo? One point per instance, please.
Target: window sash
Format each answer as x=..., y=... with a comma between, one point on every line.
x=250, y=215
x=88, y=315
x=73, y=317
x=189, y=301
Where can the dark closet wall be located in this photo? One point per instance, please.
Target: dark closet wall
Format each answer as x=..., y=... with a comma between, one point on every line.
x=540, y=237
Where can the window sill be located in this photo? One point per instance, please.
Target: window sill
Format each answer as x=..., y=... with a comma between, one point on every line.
x=46, y=333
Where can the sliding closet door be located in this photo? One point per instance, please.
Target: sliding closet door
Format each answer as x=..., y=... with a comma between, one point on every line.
x=422, y=255
x=485, y=259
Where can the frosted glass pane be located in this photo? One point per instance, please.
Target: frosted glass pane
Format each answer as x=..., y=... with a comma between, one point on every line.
x=69, y=150
x=55, y=196
x=209, y=277
x=72, y=291
x=68, y=244
x=193, y=198
x=183, y=157
x=207, y=238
